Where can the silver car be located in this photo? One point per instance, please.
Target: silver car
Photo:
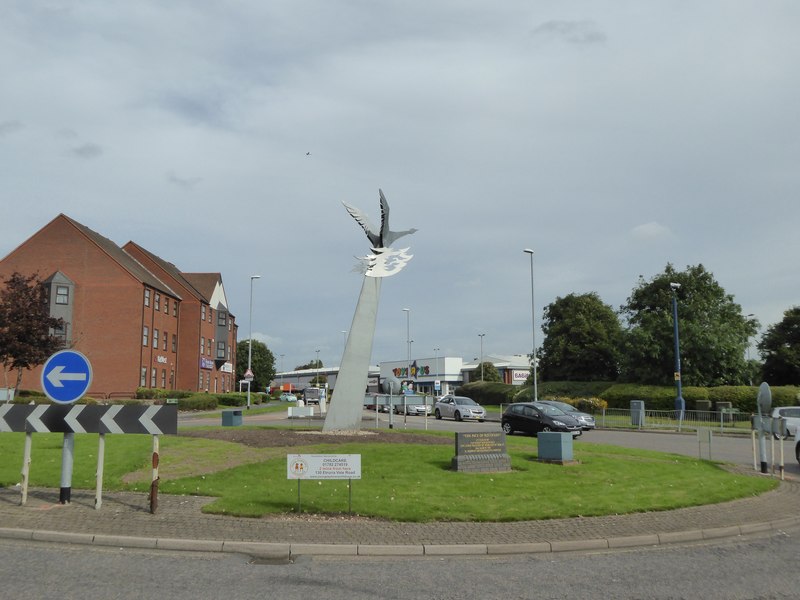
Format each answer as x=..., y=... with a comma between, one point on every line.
x=458, y=408
x=585, y=419
x=412, y=405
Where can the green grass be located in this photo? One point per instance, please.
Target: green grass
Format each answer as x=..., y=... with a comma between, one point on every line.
x=403, y=482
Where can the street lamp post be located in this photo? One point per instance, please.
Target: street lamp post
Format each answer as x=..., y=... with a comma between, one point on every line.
x=680, y=404
x=480, y=335
x=408, y=343
x=250, y=337
x=282, y=355
x=317, y=365
x=533, y=334
x=436, y=354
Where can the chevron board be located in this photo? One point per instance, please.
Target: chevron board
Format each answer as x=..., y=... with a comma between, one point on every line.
x=82, y=418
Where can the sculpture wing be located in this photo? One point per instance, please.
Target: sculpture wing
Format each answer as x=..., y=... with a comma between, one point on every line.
x=366, y=224
x=384, y=218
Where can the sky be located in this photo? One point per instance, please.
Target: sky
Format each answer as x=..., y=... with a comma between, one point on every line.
x=612, y=138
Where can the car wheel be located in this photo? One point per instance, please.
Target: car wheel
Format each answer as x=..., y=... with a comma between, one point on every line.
x=546, y=428
x=437, y=414
x=457, y=416
x=507, y=429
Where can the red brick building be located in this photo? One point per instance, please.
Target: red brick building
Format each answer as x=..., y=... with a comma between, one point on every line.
x=139, y=320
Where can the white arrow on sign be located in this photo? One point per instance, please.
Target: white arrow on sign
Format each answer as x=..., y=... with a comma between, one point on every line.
x=71, y=419
x=108, y=419
x=35, y=421
x=147, y=420
x=3, y=410
x=56, y=376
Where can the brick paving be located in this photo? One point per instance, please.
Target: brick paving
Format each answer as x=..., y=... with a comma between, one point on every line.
x=179, y=517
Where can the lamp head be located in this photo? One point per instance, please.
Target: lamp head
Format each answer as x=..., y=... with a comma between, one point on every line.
x=674, y=286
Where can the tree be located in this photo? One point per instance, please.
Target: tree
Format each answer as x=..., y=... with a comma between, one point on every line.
x=713, y=332
x=780, y=347
x=582, y=340
x=314, y=364
x=27, y=331
x=490, y=372
x=263, y=364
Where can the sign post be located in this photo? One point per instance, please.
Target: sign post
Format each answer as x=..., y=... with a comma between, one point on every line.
x=66, y=376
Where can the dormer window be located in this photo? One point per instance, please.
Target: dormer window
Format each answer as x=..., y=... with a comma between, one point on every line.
x=62, y=294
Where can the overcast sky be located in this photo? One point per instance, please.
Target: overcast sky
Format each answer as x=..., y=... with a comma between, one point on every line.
x=611, y=137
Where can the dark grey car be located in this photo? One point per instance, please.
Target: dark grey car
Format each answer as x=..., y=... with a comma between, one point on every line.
x=533, y=417
x=585, y=419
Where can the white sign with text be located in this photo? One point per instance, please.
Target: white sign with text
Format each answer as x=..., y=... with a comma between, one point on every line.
x=323, y=466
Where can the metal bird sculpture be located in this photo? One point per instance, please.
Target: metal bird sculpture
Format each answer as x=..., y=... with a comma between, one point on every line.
x=378, y=238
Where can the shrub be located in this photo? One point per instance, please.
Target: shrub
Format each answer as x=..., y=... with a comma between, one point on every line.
x=198, y=402
x=488, y=393
x=234, y=399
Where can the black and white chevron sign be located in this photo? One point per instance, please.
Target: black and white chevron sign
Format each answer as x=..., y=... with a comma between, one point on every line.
x=82, y=418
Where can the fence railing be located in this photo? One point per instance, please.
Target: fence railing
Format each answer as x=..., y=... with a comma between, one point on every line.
x=724, y=420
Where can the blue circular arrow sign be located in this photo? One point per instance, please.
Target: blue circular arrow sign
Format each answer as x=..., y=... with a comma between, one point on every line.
x=66, y=376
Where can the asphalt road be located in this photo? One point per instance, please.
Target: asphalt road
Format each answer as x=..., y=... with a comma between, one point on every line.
x=762, y=567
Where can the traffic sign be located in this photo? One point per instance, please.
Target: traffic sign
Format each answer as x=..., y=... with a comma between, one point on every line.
x=66, y=376
x=81, y=418
x=248, y=375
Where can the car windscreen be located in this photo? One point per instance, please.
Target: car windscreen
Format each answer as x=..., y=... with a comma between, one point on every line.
x=462, y=401
x=550, y=411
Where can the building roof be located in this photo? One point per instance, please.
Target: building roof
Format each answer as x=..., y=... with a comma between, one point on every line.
x=173, y=271
x=122, y=258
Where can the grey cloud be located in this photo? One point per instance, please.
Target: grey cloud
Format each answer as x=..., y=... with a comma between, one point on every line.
x=87, y=150
x=8, y=127
x=574, y=32
x=186, y=183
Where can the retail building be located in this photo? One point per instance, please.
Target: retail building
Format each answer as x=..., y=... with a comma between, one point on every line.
x=139, y=320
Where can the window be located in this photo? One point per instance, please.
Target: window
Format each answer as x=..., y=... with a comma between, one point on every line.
x=153, y=374
x=157, y=303
x=202, y=345
x=221, y=318
x=155, y=339
x=221, y=349
x=210, y=342
x=147, y=297
x=174, y=343
x=62, y=294
x=203, y=312
x=163, y=378
x=164, y=344
x=145, y=335
x=210, y=315
x=200, y=387
x=175, y=308
x=143, y=377
x=166, y=306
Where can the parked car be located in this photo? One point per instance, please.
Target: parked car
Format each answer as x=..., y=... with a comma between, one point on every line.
x=792, y=416
x=412, y=405
x=585, y=419
x=458, y=408
x=797, y=444
x=286, y=397
x=533, y=417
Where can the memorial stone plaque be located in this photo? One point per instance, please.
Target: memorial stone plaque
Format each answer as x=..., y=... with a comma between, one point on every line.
x=483, y=452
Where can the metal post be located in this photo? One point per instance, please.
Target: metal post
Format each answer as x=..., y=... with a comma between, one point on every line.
x=680, y=404
x=67, y=451
x=533, y=334
x=26, y=467
x=155, y=478
x=250, y=336
x=480, y=335
x=101, y=456
x=408, y=343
